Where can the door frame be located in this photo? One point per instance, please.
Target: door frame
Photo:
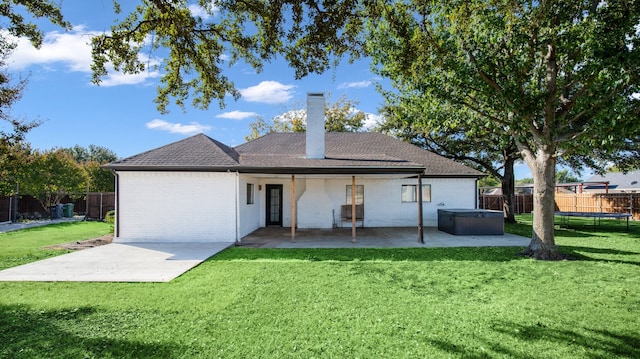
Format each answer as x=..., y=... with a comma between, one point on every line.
x=268, y=203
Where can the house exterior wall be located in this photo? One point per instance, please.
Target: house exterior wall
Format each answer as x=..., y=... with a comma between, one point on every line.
x=315, y=206
x=382, y=201
x=177, y=206
x=383, y=206
x=199, y=206
x=249, y=213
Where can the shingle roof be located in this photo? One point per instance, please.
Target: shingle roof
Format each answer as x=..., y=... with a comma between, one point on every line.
x=199, y=151
x=617, y=180
x=362, y=152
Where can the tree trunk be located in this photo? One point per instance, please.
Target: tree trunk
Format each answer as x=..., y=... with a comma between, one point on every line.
x=543, y=244
x=508, y=190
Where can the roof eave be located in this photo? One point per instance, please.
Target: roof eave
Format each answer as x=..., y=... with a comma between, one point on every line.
x=172, y=168
x=275, y=170
x=333, y=170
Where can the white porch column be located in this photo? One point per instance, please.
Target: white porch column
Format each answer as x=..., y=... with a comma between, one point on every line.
x=353, y=209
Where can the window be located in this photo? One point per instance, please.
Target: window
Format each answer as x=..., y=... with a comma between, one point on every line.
x=359, y=194
x=249, y=193
x=409, y=193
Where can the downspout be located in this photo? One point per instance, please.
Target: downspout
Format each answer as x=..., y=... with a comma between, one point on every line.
x=477, y=194
x=237, y=207
x=117, y=219
x=353, y=209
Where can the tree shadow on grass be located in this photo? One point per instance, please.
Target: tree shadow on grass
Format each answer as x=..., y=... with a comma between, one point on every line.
x=589, y=342
x=577, y=253
x=596, y=341
x=489, y=254
x=30, y=333
x=482, y=254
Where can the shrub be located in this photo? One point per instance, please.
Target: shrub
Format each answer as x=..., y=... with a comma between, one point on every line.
x=110, y=217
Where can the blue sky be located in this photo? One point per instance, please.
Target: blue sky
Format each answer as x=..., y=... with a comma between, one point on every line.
x=120, y=114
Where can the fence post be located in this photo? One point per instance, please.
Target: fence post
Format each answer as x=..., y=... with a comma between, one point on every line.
x=600, y=203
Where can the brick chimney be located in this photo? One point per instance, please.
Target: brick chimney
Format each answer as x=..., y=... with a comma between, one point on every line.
x=315, y=125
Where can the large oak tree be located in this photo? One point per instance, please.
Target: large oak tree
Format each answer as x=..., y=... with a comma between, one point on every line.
x=559, y=77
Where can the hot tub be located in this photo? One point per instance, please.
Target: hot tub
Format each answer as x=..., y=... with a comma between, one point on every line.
x=471, y=221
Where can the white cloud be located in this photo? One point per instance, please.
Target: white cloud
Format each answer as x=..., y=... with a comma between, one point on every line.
x=287, y=116
x=271, y=92
x=118, y=78
x=371, y=120
x=190, y=129
x=360, y=84
x=72, y=50
x=204, y=13
x=236, y=115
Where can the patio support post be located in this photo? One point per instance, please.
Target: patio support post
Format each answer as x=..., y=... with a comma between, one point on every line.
x=293, y=208
x=420, y=230
x=353, y=209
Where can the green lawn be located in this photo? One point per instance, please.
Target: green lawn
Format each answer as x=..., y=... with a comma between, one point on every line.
x=342, y=303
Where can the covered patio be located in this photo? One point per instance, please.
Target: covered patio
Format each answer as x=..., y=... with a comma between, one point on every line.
x=373, y=237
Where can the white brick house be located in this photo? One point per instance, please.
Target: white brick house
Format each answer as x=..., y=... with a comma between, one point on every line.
x=199, y=189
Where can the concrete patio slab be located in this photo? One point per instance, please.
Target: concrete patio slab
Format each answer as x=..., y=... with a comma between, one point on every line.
x=378, y=237
x=118, y=262
x=164, y=261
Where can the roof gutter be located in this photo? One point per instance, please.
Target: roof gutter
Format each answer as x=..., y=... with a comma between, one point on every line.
x=278, y=170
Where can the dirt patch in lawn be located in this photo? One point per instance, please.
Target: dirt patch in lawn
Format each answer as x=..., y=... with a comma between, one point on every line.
x=89, y=243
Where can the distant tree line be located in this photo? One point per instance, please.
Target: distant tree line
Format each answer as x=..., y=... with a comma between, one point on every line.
x=53, y=174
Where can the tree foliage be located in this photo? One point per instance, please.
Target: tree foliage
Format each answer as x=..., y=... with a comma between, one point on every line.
x=20, y=26
x=565, y=176
x=454, y=132
x=555, y=76
x=307, y=33
x=13, y=151
x=14, y=159
x=52, y=175
x=91, y=159
x=340, y=116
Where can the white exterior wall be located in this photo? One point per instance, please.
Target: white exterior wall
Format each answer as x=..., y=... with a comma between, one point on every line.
x=383, y=206
x=249, y=214
x=177, y=206
x=315, y=205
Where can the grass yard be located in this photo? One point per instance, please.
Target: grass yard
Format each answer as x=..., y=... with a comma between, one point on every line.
x=339, y=303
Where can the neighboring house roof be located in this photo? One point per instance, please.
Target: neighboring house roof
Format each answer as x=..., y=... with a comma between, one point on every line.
x=348, y=152
x=618, y=181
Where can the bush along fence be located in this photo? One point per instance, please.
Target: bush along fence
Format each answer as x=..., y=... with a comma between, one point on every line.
x=92, y=205
x=572, y=202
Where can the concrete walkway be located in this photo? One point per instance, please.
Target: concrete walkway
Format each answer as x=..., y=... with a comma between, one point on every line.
x=8, y=226
x=118, y=262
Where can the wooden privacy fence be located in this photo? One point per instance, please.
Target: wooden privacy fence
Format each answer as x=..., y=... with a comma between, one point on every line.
x=94, y=205
x=599, y=202
x=572, y=202
x=523, y=202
